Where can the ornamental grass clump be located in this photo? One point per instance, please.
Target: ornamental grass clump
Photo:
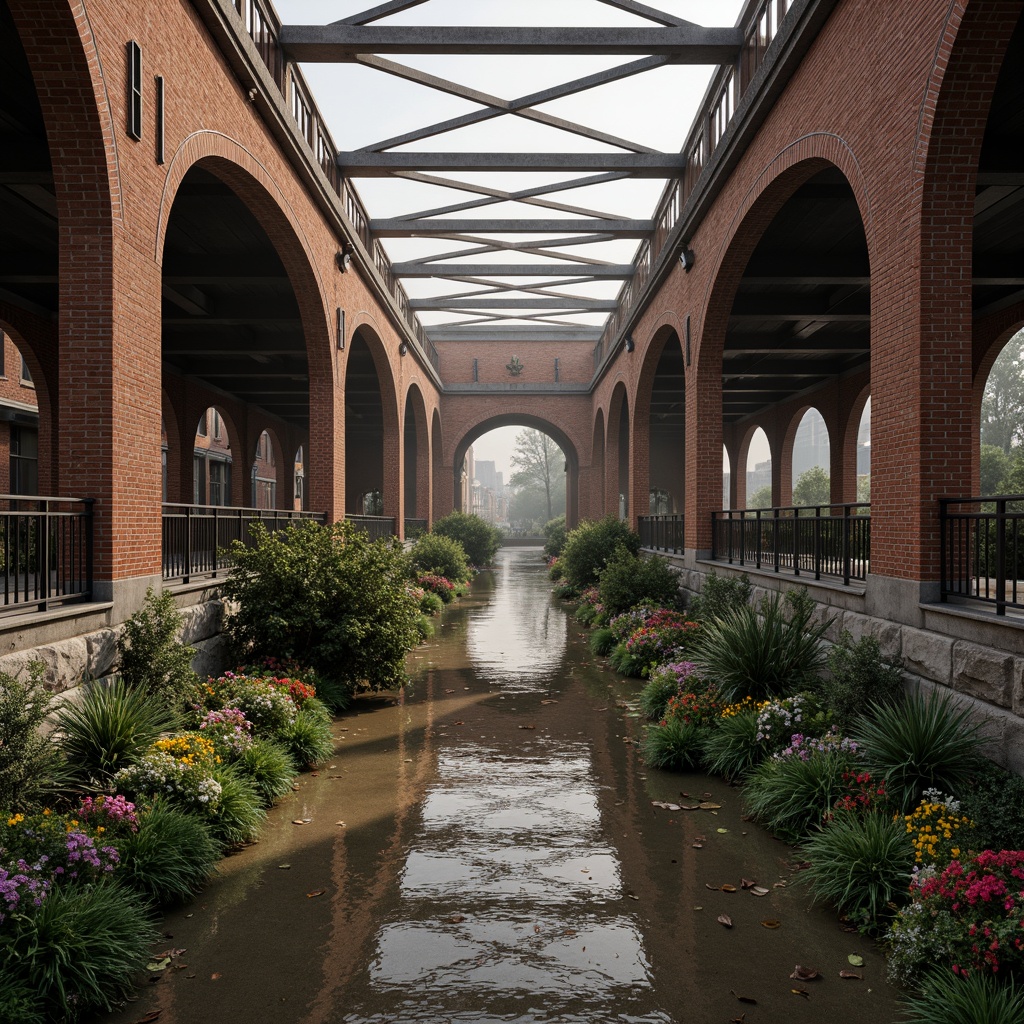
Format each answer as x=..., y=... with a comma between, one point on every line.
x=861, y=864
x=947, y=998
x=240, y=811
x=269, y=767
x=772, y=650
x=922, y=743
x=968, y=917
x=732, y=748
x=674, y=744
x=308, y=740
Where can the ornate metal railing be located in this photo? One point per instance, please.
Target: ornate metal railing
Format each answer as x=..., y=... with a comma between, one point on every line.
x=811, y=540
x=761, y=21
x=263, y=26
x=196, y=537
x=983, y=550
x=376, y=526
x=46, y=549
x=662, y=533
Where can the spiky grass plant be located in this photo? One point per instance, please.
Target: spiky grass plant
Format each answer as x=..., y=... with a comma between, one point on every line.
x=81, y=949
x=240, y=814
x=978, y=998
x=110, y=728
x=927, y=741
x=602, y=641
x=772, y=650
x=675, y=746
x=791, y=796
x=334, y=694
x=19, y=1002
x=861, y=864
x=308, y=739
x=170, y=857
x=269, y=767
x=655, y=695
x=732, y=748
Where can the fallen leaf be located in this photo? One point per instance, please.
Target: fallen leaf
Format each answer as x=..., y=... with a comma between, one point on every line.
x=689, y=807
x=851, y=974
x=214, y=977
x=159, y=965
x=632, y=897
x=725, y=919
x=449, y=691
x=801, y=865
x=760, y=890
x=456, y=919
x=600, y=709
x=698, y=846
x=302, y=821
x=779, y=885
x=665, y=806
x=713, y=888
x=856, y=960
x=569, y=931
x=536, y=929
x=521, y=727
x=741, y=1019
x=173, y=954
x=460, y=722
x=315, y=893
x=721, y=831
x=549, y=702
x=804, y=973
x=746, y=817
x=747, y=883
x=771, y=923
x=705, y=806
x=744, y=999
x=150, y=1017
x=341, y=823
x=698, y=908
x=727, y=888
x=801, y=992
x=283, y=867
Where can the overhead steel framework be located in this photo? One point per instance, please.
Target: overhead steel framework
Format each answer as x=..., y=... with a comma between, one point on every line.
x=508, y=291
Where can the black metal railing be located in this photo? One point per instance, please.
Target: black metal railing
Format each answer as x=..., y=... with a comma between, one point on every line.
x=805, y=540
x=415, y=528
x=46, y=548
x=983, y=550
x=376, y=526
x=662, y=533
x=196, y=537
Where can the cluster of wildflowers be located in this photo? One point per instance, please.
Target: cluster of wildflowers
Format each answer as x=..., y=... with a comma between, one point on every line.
x=440, y=585
x=625, y=624
x=650, y=645
x=779, y=719
x=694, y=708
x=741, y=707
x=299, y=691
x=970, y=916
x=939, y=829
x=159, y=774
x=863, y=794
x=191, y=748
x=22, y=886
x=228, y=729
x=269, y=707
x=681, y=673
x=113, y=813
x=805, y=747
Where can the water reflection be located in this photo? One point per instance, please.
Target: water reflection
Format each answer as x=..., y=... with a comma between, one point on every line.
x=518, y=639
x=511, y=902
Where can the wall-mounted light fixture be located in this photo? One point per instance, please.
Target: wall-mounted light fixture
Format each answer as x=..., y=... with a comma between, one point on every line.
x=403, y=348
x=630, y=343
x=686, y=258
x=344, y=257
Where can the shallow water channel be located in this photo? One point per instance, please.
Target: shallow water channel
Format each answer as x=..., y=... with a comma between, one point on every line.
x=484, y=848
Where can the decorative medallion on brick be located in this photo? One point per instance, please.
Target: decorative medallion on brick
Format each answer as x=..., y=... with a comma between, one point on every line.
x=514, y=367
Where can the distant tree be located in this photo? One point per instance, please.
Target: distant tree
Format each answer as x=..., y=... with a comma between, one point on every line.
x=761, y=498
x=812, y=487
x=539, y=464
x=1002, y=405
x=864, y=487
x=995, y=469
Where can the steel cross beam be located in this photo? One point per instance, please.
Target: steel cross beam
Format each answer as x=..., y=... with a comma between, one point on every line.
x=398, y=227
x=336, y=43
x=613, y=271
x=363, y=164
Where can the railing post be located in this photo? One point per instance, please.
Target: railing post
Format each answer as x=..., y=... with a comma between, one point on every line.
x=188, y=544
x=846, y=545
x=1001, y=556
x=945, y=556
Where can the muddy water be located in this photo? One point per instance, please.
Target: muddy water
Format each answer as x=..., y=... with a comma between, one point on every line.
x=484, y=848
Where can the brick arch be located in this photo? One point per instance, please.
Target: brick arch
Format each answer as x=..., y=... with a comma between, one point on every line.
x=256, y=430
x=170, y=421
x=437, y=489
x=415, y=402
x=598, y=465
x=618, y=411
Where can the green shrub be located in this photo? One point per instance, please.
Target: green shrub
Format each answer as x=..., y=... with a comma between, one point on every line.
x=554, y=536
x=110, y=728
x=993, y=800
x=861, y=864
x=478, y=538
x=978, y=998
x=591, y=545
x=556, y=570
x=775, y=652
x=602, y=641
x=323, y=596
x=152, y=657
x=858, y=676
x=81, y=949
x=170, y=857
x=308, y=739
x=655, y=695
x=438, y=555
x=269, y=767
x=629, y=579
x=240, y=814
x=29, y=762
x=732, y=749
x=925, y=742
x=20, y=1003
x=431, y=604
x=719, y=595
x=675, y=746
x=334, y=694
x=424, y=627
x=791, y=796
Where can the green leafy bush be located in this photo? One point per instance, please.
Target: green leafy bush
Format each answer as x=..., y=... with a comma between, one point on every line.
x=761, y=652
x=424, y=627
x=993, y=799
x=925, y=742
x=677, y=745
x=861, y=864
x=977, y=998
x=151, y=656
x=858, y=676
x=326, y=597
x=437, y=555
x=478, y=538
x=431, y=604
x=81, y=949
x=171, y=855
x=719, y=595
x=269, y=767
x=591, y=545
x=20, y=1003
x=554, y=536
x=28, y=760
x=629, y=579
x=110, y=728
